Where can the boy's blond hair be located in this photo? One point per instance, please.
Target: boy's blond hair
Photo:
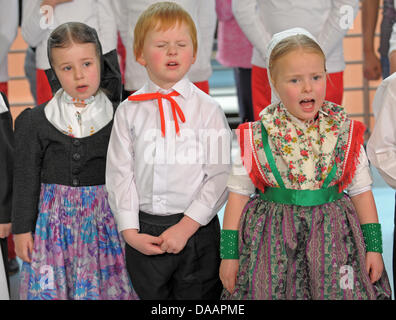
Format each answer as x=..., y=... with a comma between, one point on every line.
x=162, y=16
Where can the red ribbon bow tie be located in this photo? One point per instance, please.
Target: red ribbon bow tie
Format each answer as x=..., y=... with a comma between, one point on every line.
x=159, y=96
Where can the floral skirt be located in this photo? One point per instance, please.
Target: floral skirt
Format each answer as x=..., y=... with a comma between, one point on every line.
x=303, y=253
x=78, y=253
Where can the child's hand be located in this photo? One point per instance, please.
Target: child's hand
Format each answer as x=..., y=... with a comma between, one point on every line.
x=5, y=230
x=24, y=246
x=374, y=265
x=176, y=237
x=228, y=273
x=142, y=242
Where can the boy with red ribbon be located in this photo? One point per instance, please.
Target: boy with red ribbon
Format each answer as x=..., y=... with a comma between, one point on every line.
x=166, y=182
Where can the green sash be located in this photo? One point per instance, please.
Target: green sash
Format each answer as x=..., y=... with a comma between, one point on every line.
x=297, y=197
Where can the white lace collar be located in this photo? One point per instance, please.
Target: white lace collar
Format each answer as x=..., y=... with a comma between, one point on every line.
x=79, y=122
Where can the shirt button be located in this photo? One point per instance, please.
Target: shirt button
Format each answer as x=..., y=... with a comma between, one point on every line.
x=76, y=143
x=76, y=171
x=76, y=156
x=75, y=182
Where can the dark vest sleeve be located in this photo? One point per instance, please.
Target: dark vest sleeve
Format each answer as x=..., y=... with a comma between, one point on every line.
x=27, y=168
x=6, y=164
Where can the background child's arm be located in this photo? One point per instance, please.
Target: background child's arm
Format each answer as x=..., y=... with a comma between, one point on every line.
x=232, y=216
x=371, y=63
x=5, y=230
x=367, y=213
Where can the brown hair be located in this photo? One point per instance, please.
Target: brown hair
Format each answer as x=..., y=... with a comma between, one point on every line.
x=72, y=32
x=289, y=44
x=162, y=16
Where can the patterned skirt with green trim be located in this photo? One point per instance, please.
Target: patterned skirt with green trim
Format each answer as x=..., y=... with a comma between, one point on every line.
x=303, y=253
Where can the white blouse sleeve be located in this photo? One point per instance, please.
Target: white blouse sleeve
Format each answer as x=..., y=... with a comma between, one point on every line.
x=362, y=180
x=239, y=180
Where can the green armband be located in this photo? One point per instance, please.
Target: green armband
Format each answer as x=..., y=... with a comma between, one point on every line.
x=372, y=237
x=229, y=244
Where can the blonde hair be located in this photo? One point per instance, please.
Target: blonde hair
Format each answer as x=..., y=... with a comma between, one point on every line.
x=292, y=43
x=162, y=16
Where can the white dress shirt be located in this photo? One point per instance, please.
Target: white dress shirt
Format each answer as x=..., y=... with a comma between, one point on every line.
x=97, y=14
x=3, y=106
x=8, y=31
x=381, y=147
x=3, y=281
x=202, y=12
x=172, y=174
x=327, y=20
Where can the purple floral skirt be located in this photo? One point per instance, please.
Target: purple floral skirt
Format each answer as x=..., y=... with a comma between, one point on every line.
x=78, y=253
x=289, y=252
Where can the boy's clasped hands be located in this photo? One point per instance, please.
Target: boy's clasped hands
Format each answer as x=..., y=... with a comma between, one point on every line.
x=172, y=240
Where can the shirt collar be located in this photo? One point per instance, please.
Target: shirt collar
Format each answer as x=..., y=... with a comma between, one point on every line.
x=183, y=87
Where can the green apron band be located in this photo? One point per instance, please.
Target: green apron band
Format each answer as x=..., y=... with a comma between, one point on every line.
x=270, y=157
x=372, y=237
x=229, y=244
x=301, y=197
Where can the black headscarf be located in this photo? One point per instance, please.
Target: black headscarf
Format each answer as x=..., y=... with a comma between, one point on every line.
x=110, y=75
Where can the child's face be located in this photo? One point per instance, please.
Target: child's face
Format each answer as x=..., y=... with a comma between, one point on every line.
x=300, y=79
x=167, y=55
x=78, y=69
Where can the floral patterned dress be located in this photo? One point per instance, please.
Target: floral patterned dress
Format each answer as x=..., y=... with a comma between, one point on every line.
x=300, y=237
x=77, y=253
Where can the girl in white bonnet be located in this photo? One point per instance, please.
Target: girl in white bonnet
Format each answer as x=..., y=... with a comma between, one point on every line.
x=311, y=231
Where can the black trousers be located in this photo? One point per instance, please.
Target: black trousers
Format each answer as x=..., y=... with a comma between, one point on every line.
x=243, y=83
x=192, y=274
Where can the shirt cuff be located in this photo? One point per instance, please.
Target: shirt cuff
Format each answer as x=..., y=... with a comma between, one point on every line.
x=126, y=220
x=355, y=192
x=200, y=213
x=241, y=184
